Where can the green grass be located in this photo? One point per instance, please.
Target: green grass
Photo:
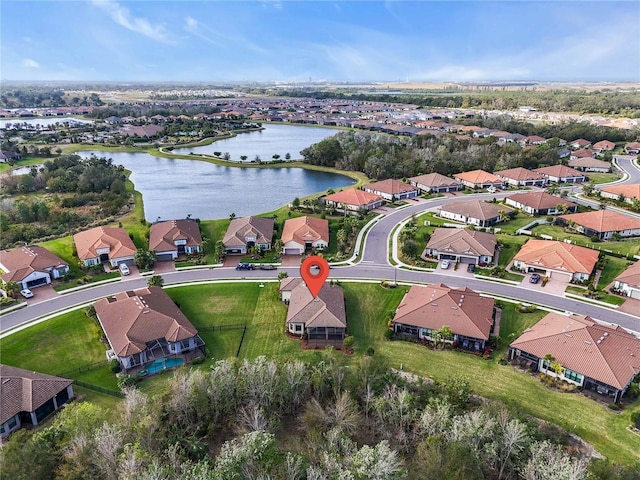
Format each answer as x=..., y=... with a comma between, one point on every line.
x=602, y=297
x=519, y=221
x=597, y=178
x=63, y=248
x=614, y=266
x=512, y=324
x=510, y=246
x=630, y=247
x=516, y=277
x=134, y=223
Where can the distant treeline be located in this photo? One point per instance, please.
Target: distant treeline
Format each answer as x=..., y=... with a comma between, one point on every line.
x=605, y=102
x=33, y=97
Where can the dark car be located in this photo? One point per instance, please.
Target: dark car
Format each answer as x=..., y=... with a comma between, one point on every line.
x=244, y=266
x=471, y=268
x=267, y=266
x=535, y=278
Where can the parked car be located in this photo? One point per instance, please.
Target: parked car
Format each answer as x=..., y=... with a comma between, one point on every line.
x=535, y=278
x=471, y=268
x=267, y=266
x=26, y=293
x=445, y=264
x=244, y=266
x=124, y=269
x=492, y=189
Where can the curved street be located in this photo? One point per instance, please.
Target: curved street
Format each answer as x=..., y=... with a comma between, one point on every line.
x=374, y=265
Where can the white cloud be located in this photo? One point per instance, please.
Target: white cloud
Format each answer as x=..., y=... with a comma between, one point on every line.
x=30, y=63
x=122, y=16
x=218, y=37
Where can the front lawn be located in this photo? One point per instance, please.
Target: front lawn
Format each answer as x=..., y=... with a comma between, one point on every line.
x=628, y=247
x=614, y=266
x=510, y=246
x=519, y=221
x=597, y=178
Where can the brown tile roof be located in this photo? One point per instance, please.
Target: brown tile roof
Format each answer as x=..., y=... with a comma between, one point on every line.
x=628, y=190
x=535, y=139
x=632, y=146
x=326, y=310
x=519, y=174
x=239, y=228
x=476, y=209
x=434, y=180
x=462, y=241
x=434, y=306
x=305, y=229
x=22, y=262
x=25, y=391
x=539, y=200
x=163, y=235
x=581, y=142
x=390, y=187
x=603, y=221
x=478, y=177
x=631, y=276
x=117, y=239
x=589, y=163
x=287, y=284
x=609, y=355
x=585, y=153
x=559, y=171
x=604, y=145
x=558, y=256
x=353, y=196
x=132, y=318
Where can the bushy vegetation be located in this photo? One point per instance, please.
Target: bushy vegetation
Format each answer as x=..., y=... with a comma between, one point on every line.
x=268, y=419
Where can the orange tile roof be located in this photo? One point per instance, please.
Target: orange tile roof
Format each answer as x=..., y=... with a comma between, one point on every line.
x=539, y=200
x=603, y=221
x=631, y=276
x=434, y=180
x=558, y=256
x=476, y=209
x=462, y=241
x=560, y=171
x=353, y=196
x=478, y=177
x=22, y=262
x=628, y=190
x=305, y=229
x=434, y=306
x=609, y=355
x=240, y=228
x=117, y=239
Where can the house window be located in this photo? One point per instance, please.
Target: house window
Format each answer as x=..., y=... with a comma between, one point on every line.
x=12, y=422
x=573, y=376
x=298, y=327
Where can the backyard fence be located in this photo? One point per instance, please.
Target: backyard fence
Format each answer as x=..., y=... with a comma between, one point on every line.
x=97, y=388
x=85, y=368
x=231, y=326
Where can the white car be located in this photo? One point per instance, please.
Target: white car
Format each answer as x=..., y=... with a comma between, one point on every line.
x=492, y=189
x=445, y=264
x=124, y=269
x=26, y=293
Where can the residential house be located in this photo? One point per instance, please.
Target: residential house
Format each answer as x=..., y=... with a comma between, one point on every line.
x=426, y=309
x=629, y=192
x=603, y=146
x=562, y=174
x=540, y=203
x=145, y=325
x=535, y=140
x=172, y=238
x=461, y=245
x=593, y=356
x=632, y=148
x=247, y=232
x=590, y=165
x=392, y=189
x=479, y=179
x=435, y=183
x=549, y=257
x=320, y=320
x=104, y=244
x=303, y=234
x=520, y=177
x=28, y=397
x=475, y=212
x=354, y=200
x=585, y=153
x=579, y=143
x=604, y=224
x=9, y=156
x=628, y=282
x=31, y=266
x=287, y=285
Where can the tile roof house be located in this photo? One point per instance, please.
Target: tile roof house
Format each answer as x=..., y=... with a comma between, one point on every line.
x=102, y=244
x=562, y=174
x=27, y=397
x=287, y=285
x=540, y=203
x=584, y=153
x=589, y=164
x=552, y=257
x=172, y=238
x=475, y=212
x=392, y=189
x=354, y=200
x=436, y=182
x=603, y=146
x=479, y=179
x=593, y=356
x=144, y=325
x=522, y=177
x=628, y=282
x=320, y=319
x=579, y=143
x=628, y=191
x=605, y=224
x=632, y=148
x=461, y=245
x=304, y=233
x=535, y=140
x=9, y=156
x=425, y=309
x=31, y=266
x=243, y=233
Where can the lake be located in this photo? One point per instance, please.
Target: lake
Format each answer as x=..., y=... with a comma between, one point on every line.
x=272, y=140
x=175, y=188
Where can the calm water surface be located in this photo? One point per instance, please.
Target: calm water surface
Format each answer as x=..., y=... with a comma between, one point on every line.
x=274, y=139
x=175, y=188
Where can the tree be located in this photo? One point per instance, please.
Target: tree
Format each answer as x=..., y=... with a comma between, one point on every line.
x=287, y=156
x=295, y=202
x=232, y=216
x=243, y=157
x=155, y=281
x=553, y=189
x=12, y=289
x=144, y=258
x=278, y=245
x=219, y=250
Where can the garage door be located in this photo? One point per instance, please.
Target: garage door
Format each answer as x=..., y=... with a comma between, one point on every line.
x=467, y=260
x=164, y=257
x=292, y=251
x=37, y=282
x=633, y=293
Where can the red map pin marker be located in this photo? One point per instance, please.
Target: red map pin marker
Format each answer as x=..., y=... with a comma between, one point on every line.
x=314, y=281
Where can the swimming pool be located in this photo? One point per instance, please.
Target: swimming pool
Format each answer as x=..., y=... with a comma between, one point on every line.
x=162, y=364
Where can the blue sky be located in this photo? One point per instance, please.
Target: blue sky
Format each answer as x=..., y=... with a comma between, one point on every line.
x=280, y=40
